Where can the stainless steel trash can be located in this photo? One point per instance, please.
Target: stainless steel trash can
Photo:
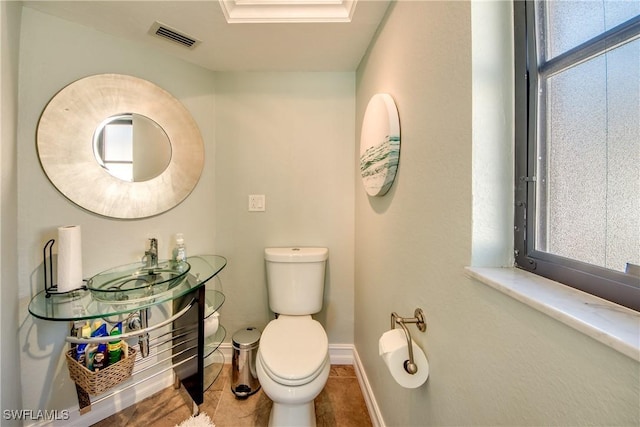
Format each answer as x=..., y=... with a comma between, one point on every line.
x=244, y=377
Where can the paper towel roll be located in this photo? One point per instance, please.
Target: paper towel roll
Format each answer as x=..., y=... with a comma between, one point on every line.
x=69, y=258
x=394, y=351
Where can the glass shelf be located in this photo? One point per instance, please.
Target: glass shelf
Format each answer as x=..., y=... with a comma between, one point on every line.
x=212, y=343
x=213, y=365
x=214, y=299
x=82, y=304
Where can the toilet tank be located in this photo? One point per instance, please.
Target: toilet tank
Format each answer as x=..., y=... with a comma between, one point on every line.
x=295, y=279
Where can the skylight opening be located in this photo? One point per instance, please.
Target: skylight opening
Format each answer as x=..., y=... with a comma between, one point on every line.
x=287, y=11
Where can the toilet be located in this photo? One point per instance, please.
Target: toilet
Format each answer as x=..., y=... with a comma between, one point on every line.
x=293, y=357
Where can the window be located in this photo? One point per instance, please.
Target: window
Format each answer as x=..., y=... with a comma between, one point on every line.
x=577, y=121
x=114, y=147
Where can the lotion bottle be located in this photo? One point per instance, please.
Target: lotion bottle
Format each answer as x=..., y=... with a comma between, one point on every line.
x=180, y=251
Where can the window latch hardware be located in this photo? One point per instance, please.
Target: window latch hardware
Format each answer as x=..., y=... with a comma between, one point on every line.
x=633, y=269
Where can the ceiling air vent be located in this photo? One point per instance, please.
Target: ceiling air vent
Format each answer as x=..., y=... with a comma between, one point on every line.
x=163, y=31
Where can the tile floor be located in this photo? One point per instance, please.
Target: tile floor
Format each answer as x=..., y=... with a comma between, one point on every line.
x=340, y=404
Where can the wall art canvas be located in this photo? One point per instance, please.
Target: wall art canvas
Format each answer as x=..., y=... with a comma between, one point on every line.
x=379, y=145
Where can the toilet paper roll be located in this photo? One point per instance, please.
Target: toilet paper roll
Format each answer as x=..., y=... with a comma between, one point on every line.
x=394, y=351
x=69, y=258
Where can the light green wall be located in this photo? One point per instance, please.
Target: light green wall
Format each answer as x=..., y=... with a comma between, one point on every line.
x=54, y=53
x=492, y=169
x=493, y=361
x=287, y=136
x=9, y=359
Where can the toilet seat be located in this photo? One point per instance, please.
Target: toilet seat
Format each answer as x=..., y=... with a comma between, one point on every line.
x=293, y=349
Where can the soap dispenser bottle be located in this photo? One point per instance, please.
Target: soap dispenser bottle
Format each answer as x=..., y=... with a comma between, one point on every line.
x=180, y=251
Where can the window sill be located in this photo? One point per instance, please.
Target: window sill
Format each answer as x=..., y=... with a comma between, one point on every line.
x=611, y=324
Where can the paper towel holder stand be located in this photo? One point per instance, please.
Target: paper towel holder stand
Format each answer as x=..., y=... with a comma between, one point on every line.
x=49, y=287
x=418, y=319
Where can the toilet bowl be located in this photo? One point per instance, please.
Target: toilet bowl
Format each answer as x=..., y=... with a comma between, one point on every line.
x=293, y=359
x=293, y=368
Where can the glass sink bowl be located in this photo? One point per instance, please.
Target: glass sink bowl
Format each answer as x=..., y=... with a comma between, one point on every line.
x=136, y=282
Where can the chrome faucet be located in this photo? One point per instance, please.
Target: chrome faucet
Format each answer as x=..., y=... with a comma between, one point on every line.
x=151, y=255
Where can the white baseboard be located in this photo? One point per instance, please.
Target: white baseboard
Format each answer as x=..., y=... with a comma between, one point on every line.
x=227, y=351
x=339, y=354
x=367, y=392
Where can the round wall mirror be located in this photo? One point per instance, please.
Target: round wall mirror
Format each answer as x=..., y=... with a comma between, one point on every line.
x=120, y=146
x=132, y=147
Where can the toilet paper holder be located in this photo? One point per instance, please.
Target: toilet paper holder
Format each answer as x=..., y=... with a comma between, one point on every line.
x=418, y=319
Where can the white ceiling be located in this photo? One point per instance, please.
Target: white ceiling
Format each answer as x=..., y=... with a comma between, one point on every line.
x=308, y=46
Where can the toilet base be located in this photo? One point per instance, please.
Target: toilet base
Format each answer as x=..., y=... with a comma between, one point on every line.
x=302, y=415
x=292, y=406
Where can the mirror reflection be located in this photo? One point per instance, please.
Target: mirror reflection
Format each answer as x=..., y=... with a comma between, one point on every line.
x=132, y=147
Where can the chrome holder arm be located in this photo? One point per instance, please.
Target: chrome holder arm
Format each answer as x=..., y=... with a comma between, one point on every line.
x=418, y=319
x=125, y=335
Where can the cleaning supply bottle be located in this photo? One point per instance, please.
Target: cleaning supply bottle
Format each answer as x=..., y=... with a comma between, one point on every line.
x=115, y=347
x=180, y=251
x=100, y=358
x=97, y=352
x=81, y=349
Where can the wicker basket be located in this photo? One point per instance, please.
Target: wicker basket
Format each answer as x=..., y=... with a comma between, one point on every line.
x=98, y=382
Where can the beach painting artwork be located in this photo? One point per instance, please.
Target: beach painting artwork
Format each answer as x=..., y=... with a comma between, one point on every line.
x=379, y=145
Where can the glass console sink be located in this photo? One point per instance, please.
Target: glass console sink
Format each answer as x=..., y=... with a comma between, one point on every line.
x=137, y=282
x=195, y=359
x=85, y=304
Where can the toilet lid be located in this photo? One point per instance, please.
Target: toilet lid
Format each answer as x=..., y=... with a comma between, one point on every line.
x=293, y=348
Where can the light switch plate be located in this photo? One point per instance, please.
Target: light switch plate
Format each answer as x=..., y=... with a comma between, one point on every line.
x=256, y=203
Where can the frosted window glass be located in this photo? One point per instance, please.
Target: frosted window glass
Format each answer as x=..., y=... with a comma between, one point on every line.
x=589, y=169
x=118, y=143
x=623, y=156
x=571, y=23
